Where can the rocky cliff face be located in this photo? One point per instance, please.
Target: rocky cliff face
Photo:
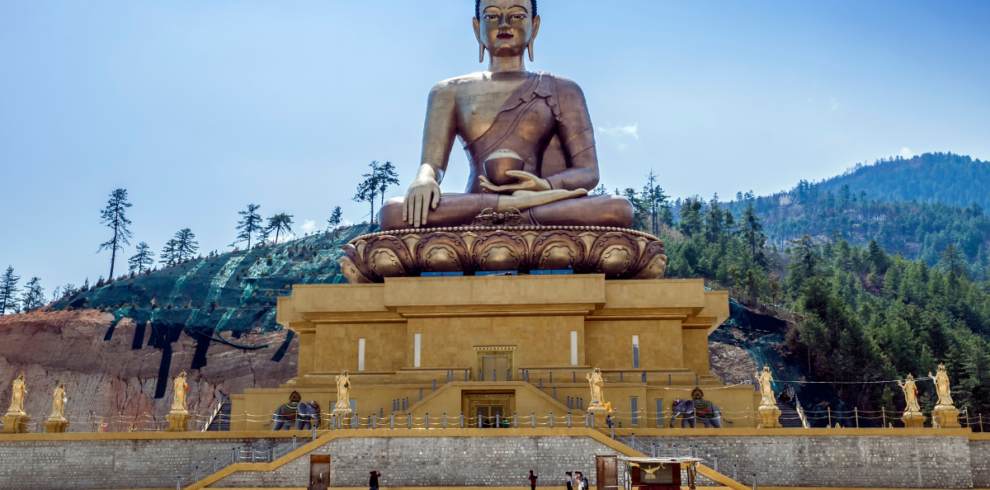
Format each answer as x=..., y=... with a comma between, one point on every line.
x=110, y=378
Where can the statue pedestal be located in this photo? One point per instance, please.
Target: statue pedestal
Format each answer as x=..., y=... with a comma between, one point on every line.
x=15, y=423
x=54, y=426
x=946, y=416
x=178, y=421
x=345, y=415
x=913, y=419
x=769, y=417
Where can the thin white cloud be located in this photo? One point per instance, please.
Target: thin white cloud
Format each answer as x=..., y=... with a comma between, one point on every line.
x=621, y=131
x=906, y=152
x=308, y=226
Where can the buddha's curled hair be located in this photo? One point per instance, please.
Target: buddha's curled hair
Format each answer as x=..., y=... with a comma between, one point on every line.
x=477, y=8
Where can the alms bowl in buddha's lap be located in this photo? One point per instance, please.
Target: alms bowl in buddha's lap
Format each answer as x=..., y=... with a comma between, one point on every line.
x=495, y=169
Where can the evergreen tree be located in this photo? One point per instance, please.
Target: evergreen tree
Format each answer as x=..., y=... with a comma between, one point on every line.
x=280, y=224
x=654, y=199
x=114, y=217
x=185, y=244
x=249, y=225
x=170, y=253
x=600, y=191
x=691, y=218
x=142, y=260
x=752, y=232
x=641, y=213
x=367, y=190
x=333, y=224
x=387, y=177
x=34, y=295
x=8, y=291
x=953, y=261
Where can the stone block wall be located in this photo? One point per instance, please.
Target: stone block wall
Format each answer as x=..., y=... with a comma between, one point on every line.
x=841, y=460
x=439, y=461
x=979, y=454
x=109, y=463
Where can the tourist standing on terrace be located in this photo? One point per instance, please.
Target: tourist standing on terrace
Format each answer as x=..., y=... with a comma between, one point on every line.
x=532, y=480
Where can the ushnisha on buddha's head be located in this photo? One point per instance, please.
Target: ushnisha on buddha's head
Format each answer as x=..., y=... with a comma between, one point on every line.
x=506, y=28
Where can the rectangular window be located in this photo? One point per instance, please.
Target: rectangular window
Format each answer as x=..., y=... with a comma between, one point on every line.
x=417, y=344
x=634, y=407
x=574, y=356
x=635, y=351
x=660, y=412
x=360, y=354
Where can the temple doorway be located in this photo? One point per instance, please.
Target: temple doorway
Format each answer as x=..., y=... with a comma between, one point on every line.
x=319, y=472
x=494, y=368
x=483, y=409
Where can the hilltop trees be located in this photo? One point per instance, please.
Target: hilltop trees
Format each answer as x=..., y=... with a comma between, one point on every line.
x=250, y=225
x=280, y=224
x=186, y=245
x=114, y=217
x=8, y=291
x=34, y=295
x=333, y=224
x=381, y=177
x=170, y=253
x=142, y=260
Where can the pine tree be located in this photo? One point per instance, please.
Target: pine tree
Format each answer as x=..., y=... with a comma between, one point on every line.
x=170, y=253
x=691, y=219
x=8, y=291
x=953, y=261
x=185, y=244
x=654, y=199
x=249, y=225
x=752, y=232
x=114, y=217
x=34, y=295
x=387, y=177
x=600, y=191
x=368, y=188
x=280, y=224
x=142, y=260
x=333, y=224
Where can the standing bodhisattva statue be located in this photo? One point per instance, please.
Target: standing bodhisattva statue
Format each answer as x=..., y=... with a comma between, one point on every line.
x=766, y=387
x=910, y=394
x=17, y=397
x=942, y=385
x=343, y=392
x=528, y=137
x=59, y=400
x=180, y=386
x=597, y=387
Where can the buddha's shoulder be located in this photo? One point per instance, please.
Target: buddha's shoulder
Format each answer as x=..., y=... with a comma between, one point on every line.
x=453, y=84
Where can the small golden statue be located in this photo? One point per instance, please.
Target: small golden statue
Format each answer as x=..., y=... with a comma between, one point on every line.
x=343, y=405
x=945, y=415
x=16, y=419
x=912, y=413
x=597, y=385
x=57, y=422
x=178, y=417
x=769, y=413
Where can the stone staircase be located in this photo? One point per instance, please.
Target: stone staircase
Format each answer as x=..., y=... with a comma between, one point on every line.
x=221, y=416
x=789, y=417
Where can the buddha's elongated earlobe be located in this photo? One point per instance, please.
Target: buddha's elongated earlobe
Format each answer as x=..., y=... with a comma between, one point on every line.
x=481, y=52
x=530, y=46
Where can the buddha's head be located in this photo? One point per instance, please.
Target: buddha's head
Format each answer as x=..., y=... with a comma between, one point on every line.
x=506, y=28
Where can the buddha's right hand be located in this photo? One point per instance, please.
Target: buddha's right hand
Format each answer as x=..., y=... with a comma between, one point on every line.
x=422, y=196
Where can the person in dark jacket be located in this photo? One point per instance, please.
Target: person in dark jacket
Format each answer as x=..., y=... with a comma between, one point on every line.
x=373, y=481
x=532, y=480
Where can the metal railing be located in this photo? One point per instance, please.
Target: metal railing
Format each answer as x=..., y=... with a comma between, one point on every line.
x=217, y=408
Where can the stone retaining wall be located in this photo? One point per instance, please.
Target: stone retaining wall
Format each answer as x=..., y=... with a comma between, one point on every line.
x=979, y=455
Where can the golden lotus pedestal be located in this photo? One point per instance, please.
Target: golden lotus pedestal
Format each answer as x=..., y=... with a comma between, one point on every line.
x=617, y=253
x=55, y=426
x=913, y=419
x=15, y=423
x=946, y=417
x=769, y=417
x=178, y=421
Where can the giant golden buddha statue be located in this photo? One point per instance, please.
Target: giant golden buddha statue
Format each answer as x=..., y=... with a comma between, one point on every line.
x=531, y=147
x=528, y=137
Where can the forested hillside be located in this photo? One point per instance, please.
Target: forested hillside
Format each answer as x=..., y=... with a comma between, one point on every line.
x=952, y=179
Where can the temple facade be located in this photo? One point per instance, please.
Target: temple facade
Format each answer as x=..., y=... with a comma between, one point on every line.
x=504, y=346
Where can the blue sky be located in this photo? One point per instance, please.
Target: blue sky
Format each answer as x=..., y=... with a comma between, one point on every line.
x=199, y=108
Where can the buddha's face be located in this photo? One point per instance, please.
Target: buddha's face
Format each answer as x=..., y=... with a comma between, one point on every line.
x=506, y=26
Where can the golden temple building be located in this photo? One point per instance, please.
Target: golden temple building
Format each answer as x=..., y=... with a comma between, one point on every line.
x=518, y=344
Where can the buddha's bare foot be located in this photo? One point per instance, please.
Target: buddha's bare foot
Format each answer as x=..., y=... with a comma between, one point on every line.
x=523, y=200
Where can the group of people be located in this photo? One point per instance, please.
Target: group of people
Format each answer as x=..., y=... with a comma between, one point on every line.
x=575, y=481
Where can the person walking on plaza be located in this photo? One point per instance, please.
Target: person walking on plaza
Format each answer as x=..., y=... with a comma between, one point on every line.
x=570, y=481
x=532, y=480
x=373, y=481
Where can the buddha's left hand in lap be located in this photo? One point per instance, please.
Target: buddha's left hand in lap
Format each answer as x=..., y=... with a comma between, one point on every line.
x=527, y=182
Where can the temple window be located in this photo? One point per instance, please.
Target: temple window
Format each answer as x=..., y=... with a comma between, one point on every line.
x=660, y=412
x=360, y=354
x=574, y=351
x=634, y=408
x=635, y=342
x=417, y=344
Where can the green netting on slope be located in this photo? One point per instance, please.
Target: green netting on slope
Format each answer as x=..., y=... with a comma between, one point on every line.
x=764, y=342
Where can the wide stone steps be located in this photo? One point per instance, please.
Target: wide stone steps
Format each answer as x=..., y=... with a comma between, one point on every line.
x=789, y=416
